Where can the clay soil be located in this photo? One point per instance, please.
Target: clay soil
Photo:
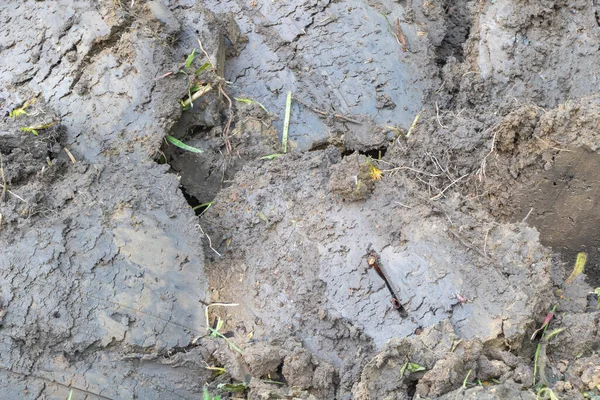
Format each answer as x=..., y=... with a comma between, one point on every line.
x=441, y=179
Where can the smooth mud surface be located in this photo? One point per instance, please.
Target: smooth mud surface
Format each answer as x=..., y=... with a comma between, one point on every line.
x=448, y=148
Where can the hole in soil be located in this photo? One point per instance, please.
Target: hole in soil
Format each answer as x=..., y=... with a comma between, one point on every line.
x=458, y=29
x=375, y=153
x=279, y=374
x=201, y=175
x=198, y=207
x=563, y=205
x=411, y=388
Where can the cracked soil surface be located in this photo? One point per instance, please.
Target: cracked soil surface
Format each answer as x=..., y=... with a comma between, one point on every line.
x=454, y=144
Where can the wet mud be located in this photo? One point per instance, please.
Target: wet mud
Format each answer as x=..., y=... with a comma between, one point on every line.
x=453, y=145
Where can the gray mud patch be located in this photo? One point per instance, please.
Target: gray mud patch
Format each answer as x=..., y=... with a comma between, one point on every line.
x=102, y=277
x=109, y=281
x=339, y=58
x=285, y=237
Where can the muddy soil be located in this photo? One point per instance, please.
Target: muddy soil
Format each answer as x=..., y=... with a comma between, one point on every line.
x=441, y=179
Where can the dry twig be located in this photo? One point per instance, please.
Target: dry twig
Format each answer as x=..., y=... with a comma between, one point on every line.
x=206, y=54
x=410, y=169
x=403, y=205
x=481, y=171
x=199, y=228
x=73, y=160
x=229, y=119
x=485, y=242
x=552, y=147
x=528, y=214
x=17, y=196
x=437, y=112
x=189, y=101
x=400, y=36
x=440, y=194
x=4, y=185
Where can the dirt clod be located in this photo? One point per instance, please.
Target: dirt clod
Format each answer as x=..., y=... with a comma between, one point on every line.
x=351, y=178
x=263, y=360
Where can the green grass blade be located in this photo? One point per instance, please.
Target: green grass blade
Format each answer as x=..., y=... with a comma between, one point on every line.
x=270, y=156
x=190, y=59
x=204, y=67
x=286, y=122
x=207, y=205
x=535, y=361
x=412, y=127
x=579, y=267
x=29, y=129
x=250, y=101
x=229, y=342
x=182, y=145
x=242, y=100
x=464, y=385
x=414, y=367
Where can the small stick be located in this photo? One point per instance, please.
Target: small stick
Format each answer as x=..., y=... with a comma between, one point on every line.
x=552, y=147
x=73, y=160
x=412, y=127
x=403, y=205
x=373, y=261
x=437, y=112
x=400, y=36
x=344, y=118
x=17, y=196
x=481, y=171
x=196, y=95
x=206, y=54
x=286, y=122
x=4, y=185
x=440, y=194
x=528, y=214
x=229, y=119
x=209, y=241
x=410, y=169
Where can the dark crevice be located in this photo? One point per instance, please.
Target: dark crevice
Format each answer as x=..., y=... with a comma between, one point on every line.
x=279, y=374
x=199, y=175
x=411, y=388
x=374, y=153
x=458, y=23
x=199, y=208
